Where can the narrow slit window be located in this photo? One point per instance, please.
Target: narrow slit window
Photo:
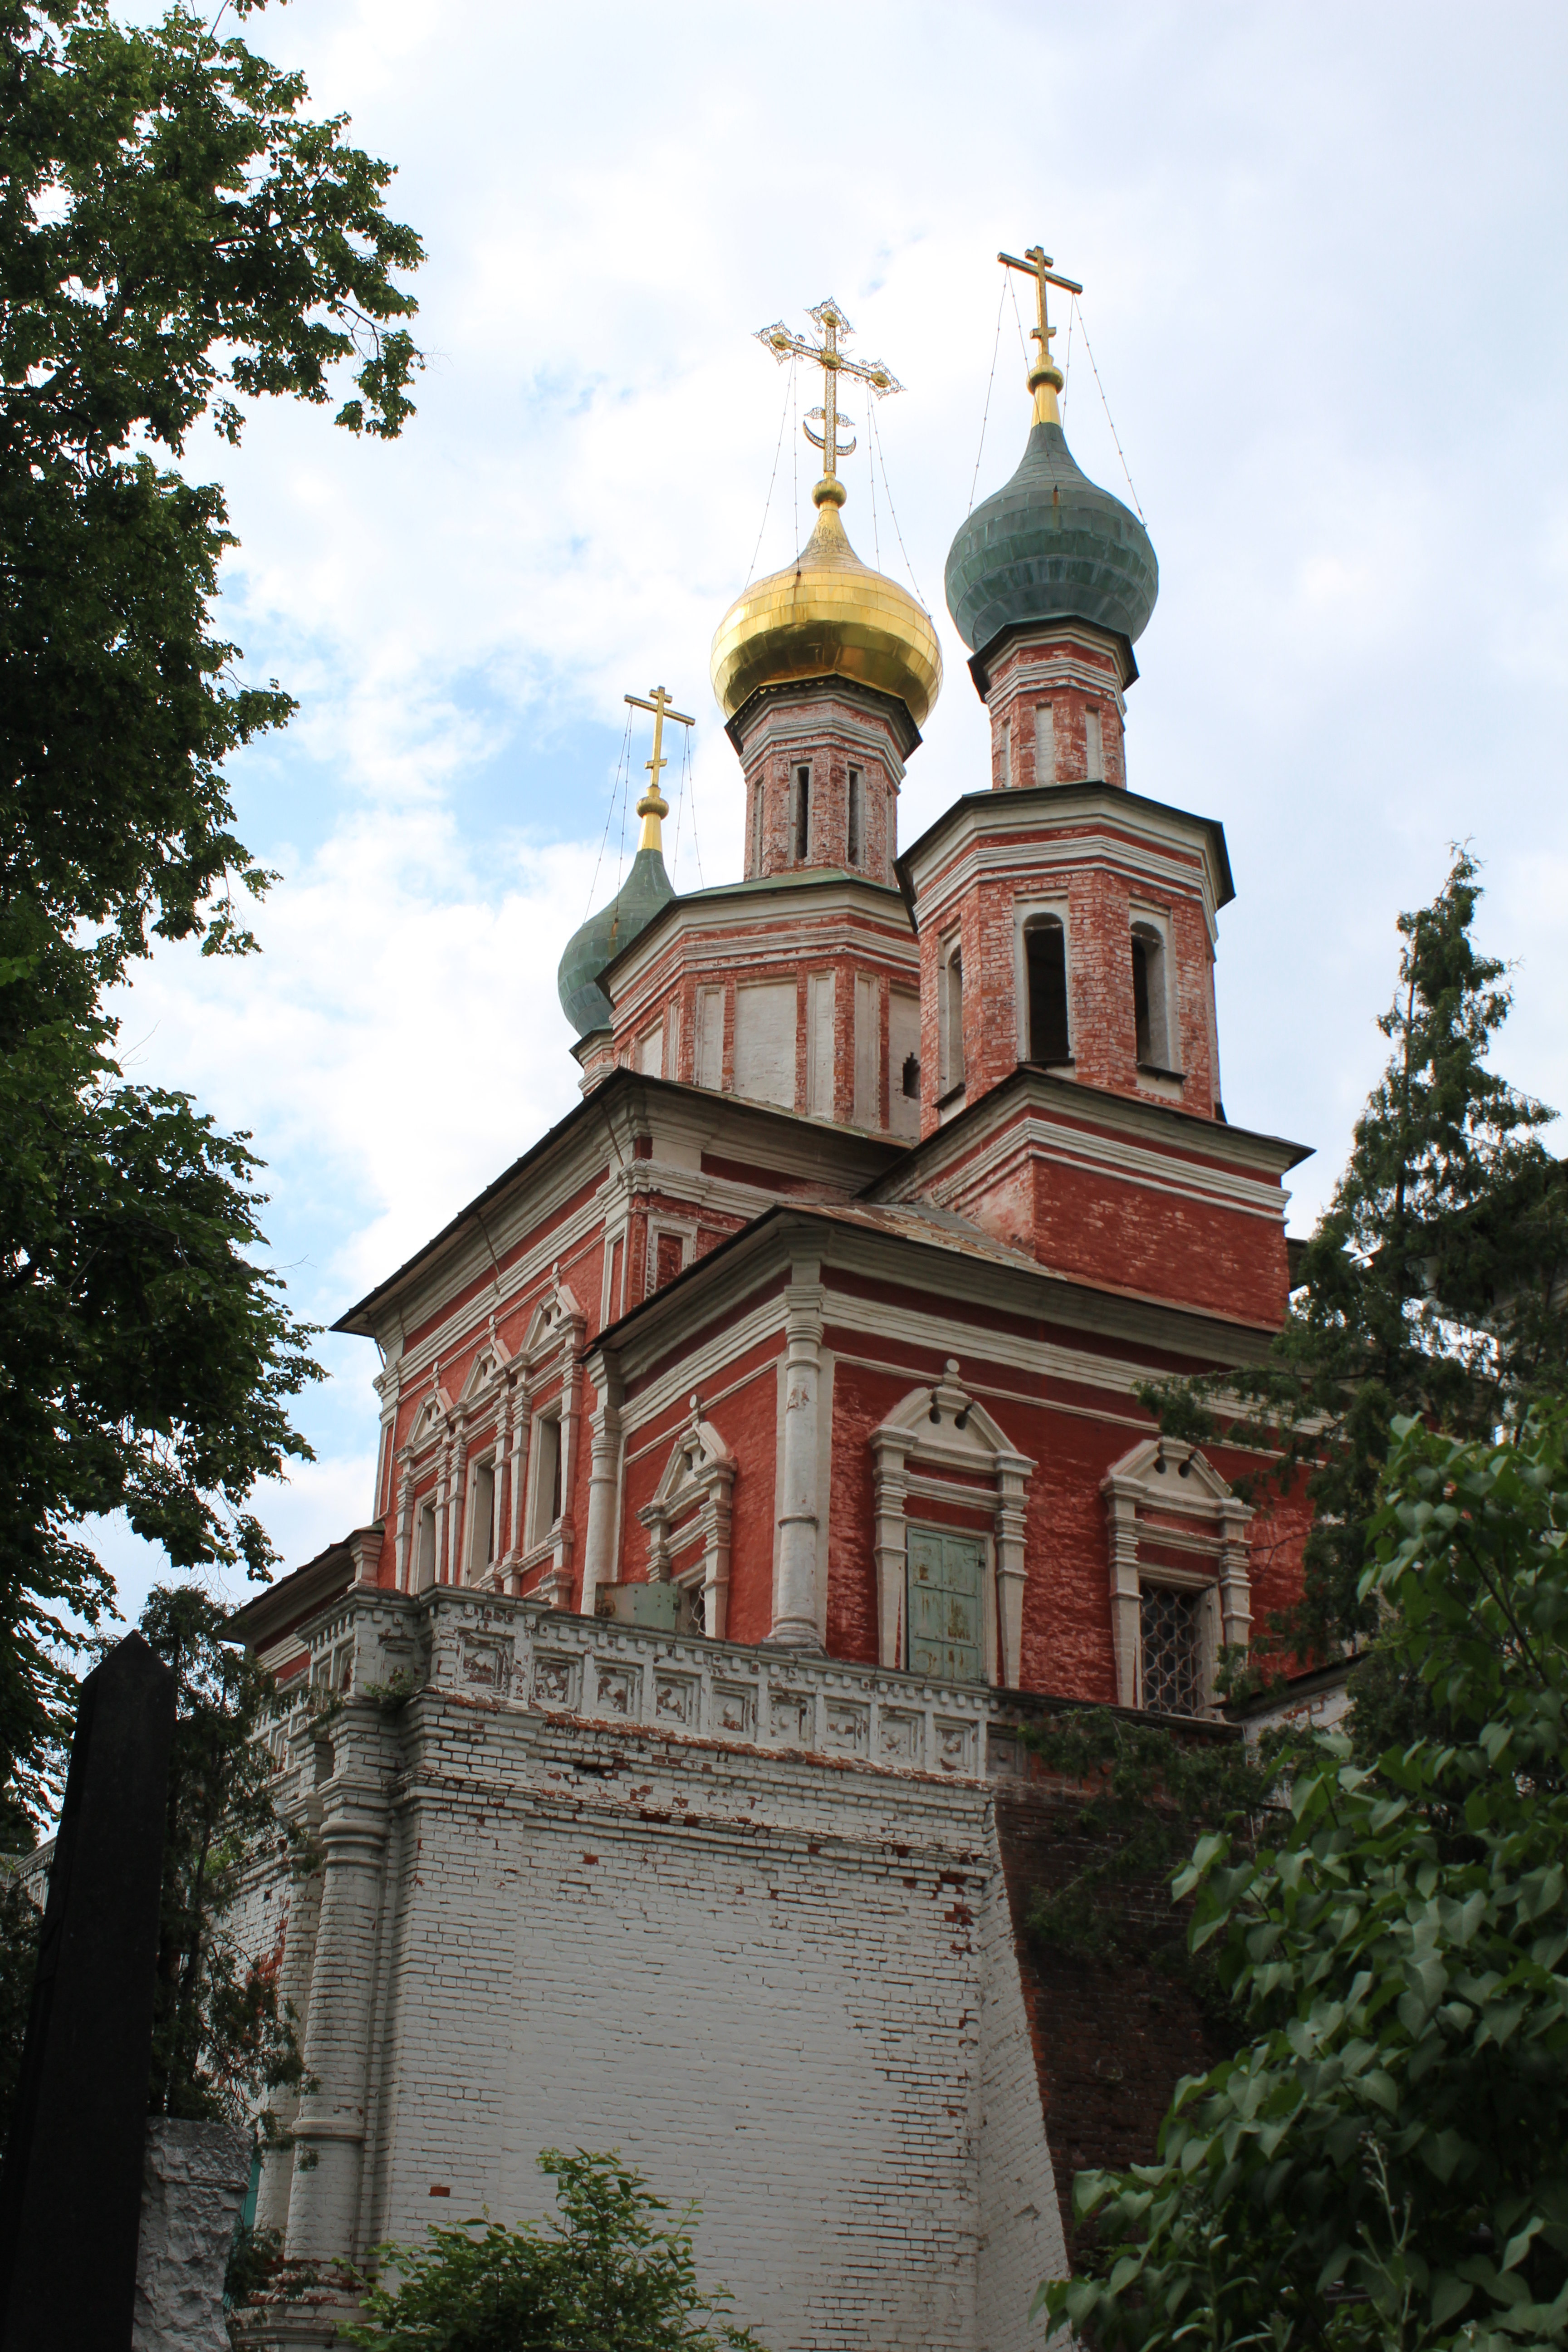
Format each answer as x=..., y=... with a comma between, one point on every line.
x=1141, y=996
x=757, y=830
x=952, y=1024
x=854, y=817
x=1045, y=954
x=546, y=1478
x=482, y=1522
x=802, y=812
x=1093, y=747
x=911, y=1078
x=1149, y=1011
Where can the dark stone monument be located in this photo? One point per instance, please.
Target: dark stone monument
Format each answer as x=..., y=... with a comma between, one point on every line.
x=71, y=2193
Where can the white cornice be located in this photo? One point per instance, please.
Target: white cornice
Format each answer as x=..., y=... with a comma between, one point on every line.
x=966, y=856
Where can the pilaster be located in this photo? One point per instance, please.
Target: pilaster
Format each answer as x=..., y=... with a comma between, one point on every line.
x=796, y=1620
x=329, y=2128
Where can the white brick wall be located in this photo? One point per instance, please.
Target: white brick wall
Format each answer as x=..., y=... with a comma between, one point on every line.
x=780, y=1983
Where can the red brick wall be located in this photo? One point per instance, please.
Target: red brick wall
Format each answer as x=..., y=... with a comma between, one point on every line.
x=1112, y=2038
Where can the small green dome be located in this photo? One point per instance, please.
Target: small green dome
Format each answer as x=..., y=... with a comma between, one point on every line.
x=646, y=889
x=1050, y=545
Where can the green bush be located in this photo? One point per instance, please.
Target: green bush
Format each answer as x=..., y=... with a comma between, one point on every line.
x=605, y=2275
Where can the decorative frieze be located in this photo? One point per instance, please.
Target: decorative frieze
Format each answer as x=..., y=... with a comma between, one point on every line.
x=520, y=1653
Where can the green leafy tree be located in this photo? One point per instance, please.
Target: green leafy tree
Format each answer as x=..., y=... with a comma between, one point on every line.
x=221, y=2042
x=1385, y=2163
x=1436, y=1282
x=1147, y=1794
x=606, y=2274
x=178, y=241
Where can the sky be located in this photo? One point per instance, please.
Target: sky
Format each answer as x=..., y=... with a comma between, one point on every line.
x=1322, y=248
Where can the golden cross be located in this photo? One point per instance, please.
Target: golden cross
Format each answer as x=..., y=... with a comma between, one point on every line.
x=834, y=363
x=1045, y=376
x=653, y=804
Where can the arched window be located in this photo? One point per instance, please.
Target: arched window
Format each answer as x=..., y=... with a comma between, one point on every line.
x=952, y=1022
x=1046, y=966
x=1149, y=998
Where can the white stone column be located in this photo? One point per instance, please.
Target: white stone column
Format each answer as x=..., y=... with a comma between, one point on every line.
x=891, y=1474
x=1235, y=1580
x=794, y=1624
x=1012, y=1472
x=457, y=1509
x=329, y=2129
x=718, y=1479
x=521, y=1426
x=405, y=1524
x=1126, y=1589
x=604, y=1483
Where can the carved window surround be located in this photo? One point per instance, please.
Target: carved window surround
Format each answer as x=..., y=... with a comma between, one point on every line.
x=492, y=1423
x=941, y=1446
x=1164, y=1499
x=692, y=1504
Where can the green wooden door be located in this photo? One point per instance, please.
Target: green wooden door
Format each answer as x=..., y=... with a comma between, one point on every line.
x=947, y=1630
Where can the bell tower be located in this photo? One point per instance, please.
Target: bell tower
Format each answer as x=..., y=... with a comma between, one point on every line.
x=825, y=671
x=1065, y=922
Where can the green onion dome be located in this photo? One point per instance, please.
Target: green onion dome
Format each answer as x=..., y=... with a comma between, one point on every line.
x=646, y=889
x=1050, y=545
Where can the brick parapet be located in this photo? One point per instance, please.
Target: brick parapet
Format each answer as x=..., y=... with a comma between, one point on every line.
x=780, y=1978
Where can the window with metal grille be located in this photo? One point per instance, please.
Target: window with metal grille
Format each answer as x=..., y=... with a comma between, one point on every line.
x=1172, y=1677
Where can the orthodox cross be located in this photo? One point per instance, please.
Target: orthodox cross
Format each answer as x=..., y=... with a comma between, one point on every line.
x=834, y=363
x=653, y=804
x=1045, y=376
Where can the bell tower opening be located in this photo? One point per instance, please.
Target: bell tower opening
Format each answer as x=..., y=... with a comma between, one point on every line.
x=1150, y=1016
x=1046, y=966
x=801, y=814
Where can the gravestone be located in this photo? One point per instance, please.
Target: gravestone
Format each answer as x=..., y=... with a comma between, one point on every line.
x=192, y=2187
x=70, y=2192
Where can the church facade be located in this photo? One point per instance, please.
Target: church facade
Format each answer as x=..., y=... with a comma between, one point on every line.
x=760, y=1445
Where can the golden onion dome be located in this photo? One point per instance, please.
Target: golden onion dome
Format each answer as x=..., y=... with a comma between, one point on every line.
x=830, y=615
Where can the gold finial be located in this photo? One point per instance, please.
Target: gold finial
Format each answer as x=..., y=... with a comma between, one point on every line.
x=653, y=806
x=834, y=363
x=1045, y=376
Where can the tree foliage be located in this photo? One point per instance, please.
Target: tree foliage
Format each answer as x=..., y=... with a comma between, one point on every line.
x=1385, y=2162
x=606, y=2274
x=177, y=240
x=1147, y=1794
x=147, y=1362
x=1434, y=1283
x=221, y=2042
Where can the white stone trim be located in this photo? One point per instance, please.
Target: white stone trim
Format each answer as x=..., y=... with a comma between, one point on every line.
x=1165, y=1493
x=692, y=1504
x=962, y=1439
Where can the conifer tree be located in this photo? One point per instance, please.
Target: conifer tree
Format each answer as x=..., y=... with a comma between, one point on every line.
x=1435, y=1283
